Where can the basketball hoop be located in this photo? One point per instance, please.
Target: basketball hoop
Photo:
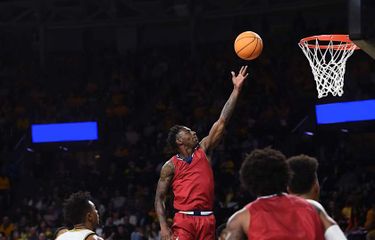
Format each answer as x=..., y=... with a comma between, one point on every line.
x=327, y=55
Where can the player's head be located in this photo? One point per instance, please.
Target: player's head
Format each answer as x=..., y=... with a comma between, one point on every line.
x=181, y=136
x=265, y=172
x=304, y=178
x=79, y=209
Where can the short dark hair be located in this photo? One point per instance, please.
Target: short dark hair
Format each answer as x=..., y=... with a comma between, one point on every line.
x=76, y=207
x=303, y=173
x=265, y=172
x=172, y=134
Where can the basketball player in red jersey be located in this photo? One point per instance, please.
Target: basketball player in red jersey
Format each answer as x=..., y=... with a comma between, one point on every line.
x=190, y=176
x=304, y=183
x=274, y=215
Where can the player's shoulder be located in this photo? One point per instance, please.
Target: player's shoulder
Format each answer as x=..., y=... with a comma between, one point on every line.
x=239, y=216
x=316, y=204
x=199, y=150
x=168, y=167
x=297, y=199
x=60, y=231
x=94, y=237
x=169, y=163
x=239, y=221
x=309, y=203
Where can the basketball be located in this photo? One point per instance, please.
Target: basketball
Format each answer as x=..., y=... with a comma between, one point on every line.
x=248, y=45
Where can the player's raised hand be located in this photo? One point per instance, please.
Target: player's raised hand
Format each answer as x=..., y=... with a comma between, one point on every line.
x=240, y=78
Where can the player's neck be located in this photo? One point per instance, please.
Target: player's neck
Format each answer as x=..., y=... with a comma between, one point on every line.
x=81, y=226
x=184, y=155
x=307, y=196
x=186, y=152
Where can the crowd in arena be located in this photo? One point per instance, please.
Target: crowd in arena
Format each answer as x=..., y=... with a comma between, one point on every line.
x=135, y=98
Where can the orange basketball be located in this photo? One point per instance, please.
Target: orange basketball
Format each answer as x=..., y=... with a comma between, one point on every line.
x=248, y=45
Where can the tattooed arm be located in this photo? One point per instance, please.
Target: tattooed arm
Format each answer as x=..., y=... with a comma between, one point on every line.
x=217, y=129
x=164, y=183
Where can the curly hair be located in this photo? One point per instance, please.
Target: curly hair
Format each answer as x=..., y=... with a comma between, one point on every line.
x=172, y=134
x=76, y=207
x=303, y=173
x=265, y=172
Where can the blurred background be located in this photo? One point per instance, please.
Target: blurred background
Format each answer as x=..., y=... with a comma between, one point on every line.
x=137, y=67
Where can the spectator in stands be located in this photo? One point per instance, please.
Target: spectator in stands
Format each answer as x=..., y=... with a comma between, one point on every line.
x=5, y=189
x=7, y=227
x=370, y=223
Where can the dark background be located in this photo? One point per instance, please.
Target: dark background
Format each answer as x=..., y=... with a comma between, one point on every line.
x=139, y=67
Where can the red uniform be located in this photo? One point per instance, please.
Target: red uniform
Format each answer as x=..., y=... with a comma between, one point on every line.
x=193, y=188
x=283, y=217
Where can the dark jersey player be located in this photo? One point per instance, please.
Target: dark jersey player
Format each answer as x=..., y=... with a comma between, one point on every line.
x=190, y=176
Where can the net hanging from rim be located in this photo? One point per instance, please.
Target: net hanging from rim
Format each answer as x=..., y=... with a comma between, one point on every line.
x=327, y=55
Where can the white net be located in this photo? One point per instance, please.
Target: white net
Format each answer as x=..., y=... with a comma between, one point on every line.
x=328, y=64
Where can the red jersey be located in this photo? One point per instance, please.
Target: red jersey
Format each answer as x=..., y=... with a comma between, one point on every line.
x=193, y=183
x=283, y=217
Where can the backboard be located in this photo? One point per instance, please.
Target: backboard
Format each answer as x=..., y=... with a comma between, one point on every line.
x=362, y=24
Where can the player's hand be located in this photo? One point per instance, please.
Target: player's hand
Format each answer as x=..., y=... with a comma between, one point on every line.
x=240, y=78
x=165, y=234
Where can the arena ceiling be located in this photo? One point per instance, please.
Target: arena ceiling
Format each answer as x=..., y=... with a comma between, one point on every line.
x=83, y=13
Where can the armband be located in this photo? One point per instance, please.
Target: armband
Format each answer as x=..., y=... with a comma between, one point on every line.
x=334, y=233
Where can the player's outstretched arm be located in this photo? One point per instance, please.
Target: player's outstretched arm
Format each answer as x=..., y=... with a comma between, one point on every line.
x=164, y=183
x=218, y=127
x=237, y=225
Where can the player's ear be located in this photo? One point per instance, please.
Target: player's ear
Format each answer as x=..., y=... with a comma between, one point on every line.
x=288, y=190
x=316, y=189
x=178, y=141
x=89, y=217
